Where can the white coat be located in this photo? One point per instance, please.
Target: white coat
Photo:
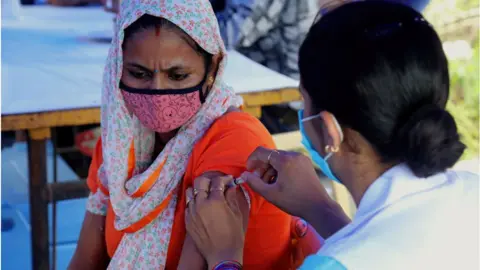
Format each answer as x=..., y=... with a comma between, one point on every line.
x=404, y=222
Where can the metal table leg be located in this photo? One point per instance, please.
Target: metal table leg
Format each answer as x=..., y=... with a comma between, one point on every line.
x=37, y=167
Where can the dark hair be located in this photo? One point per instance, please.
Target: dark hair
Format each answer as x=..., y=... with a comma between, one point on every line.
x=148, y=21
x=379, y=67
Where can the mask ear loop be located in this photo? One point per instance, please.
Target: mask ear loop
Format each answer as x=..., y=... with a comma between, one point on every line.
x=310, y=118
x=335, y=122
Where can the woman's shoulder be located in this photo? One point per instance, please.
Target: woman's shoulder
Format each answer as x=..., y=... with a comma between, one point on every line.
x=239, y=126
x=229, y=142
x=236, y=118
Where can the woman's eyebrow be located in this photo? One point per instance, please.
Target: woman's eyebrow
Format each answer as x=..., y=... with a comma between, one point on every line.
x=139, y=67
x=174, y=68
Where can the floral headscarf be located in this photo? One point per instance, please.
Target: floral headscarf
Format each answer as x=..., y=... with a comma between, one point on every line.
x=144, y=199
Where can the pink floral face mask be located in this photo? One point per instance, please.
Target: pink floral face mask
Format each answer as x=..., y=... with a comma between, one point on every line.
x=163, y=110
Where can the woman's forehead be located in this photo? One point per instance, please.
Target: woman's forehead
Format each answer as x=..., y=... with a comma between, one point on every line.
x=164, y=31
x=165, y=48
x=159, y=24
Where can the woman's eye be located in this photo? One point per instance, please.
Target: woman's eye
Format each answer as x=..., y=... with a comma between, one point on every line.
x=177, y=76
x=138, y=75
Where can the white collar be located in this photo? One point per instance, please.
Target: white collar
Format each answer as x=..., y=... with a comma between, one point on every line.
x=377, y=194
x=395, y=184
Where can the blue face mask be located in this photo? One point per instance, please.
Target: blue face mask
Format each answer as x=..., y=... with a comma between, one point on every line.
x=317, y=159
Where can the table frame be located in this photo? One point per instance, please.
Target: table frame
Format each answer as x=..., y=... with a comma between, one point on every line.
x=41, y=193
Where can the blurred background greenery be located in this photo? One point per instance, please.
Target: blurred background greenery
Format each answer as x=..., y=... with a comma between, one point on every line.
x=457, y=22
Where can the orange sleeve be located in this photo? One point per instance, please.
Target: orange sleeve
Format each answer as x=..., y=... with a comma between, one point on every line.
x=225, y=148
x=97, y=159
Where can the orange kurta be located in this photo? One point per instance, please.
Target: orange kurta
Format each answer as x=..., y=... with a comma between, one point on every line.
x=225, y=148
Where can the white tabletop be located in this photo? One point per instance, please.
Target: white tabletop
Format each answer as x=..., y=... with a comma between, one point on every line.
x=50, y=63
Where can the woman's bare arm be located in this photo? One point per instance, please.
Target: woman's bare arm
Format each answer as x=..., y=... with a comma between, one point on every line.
x=191, y=259
x=91, y=251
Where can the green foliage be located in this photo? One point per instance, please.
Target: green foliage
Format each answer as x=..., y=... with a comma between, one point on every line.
x=458, y=20
x=464, y=100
